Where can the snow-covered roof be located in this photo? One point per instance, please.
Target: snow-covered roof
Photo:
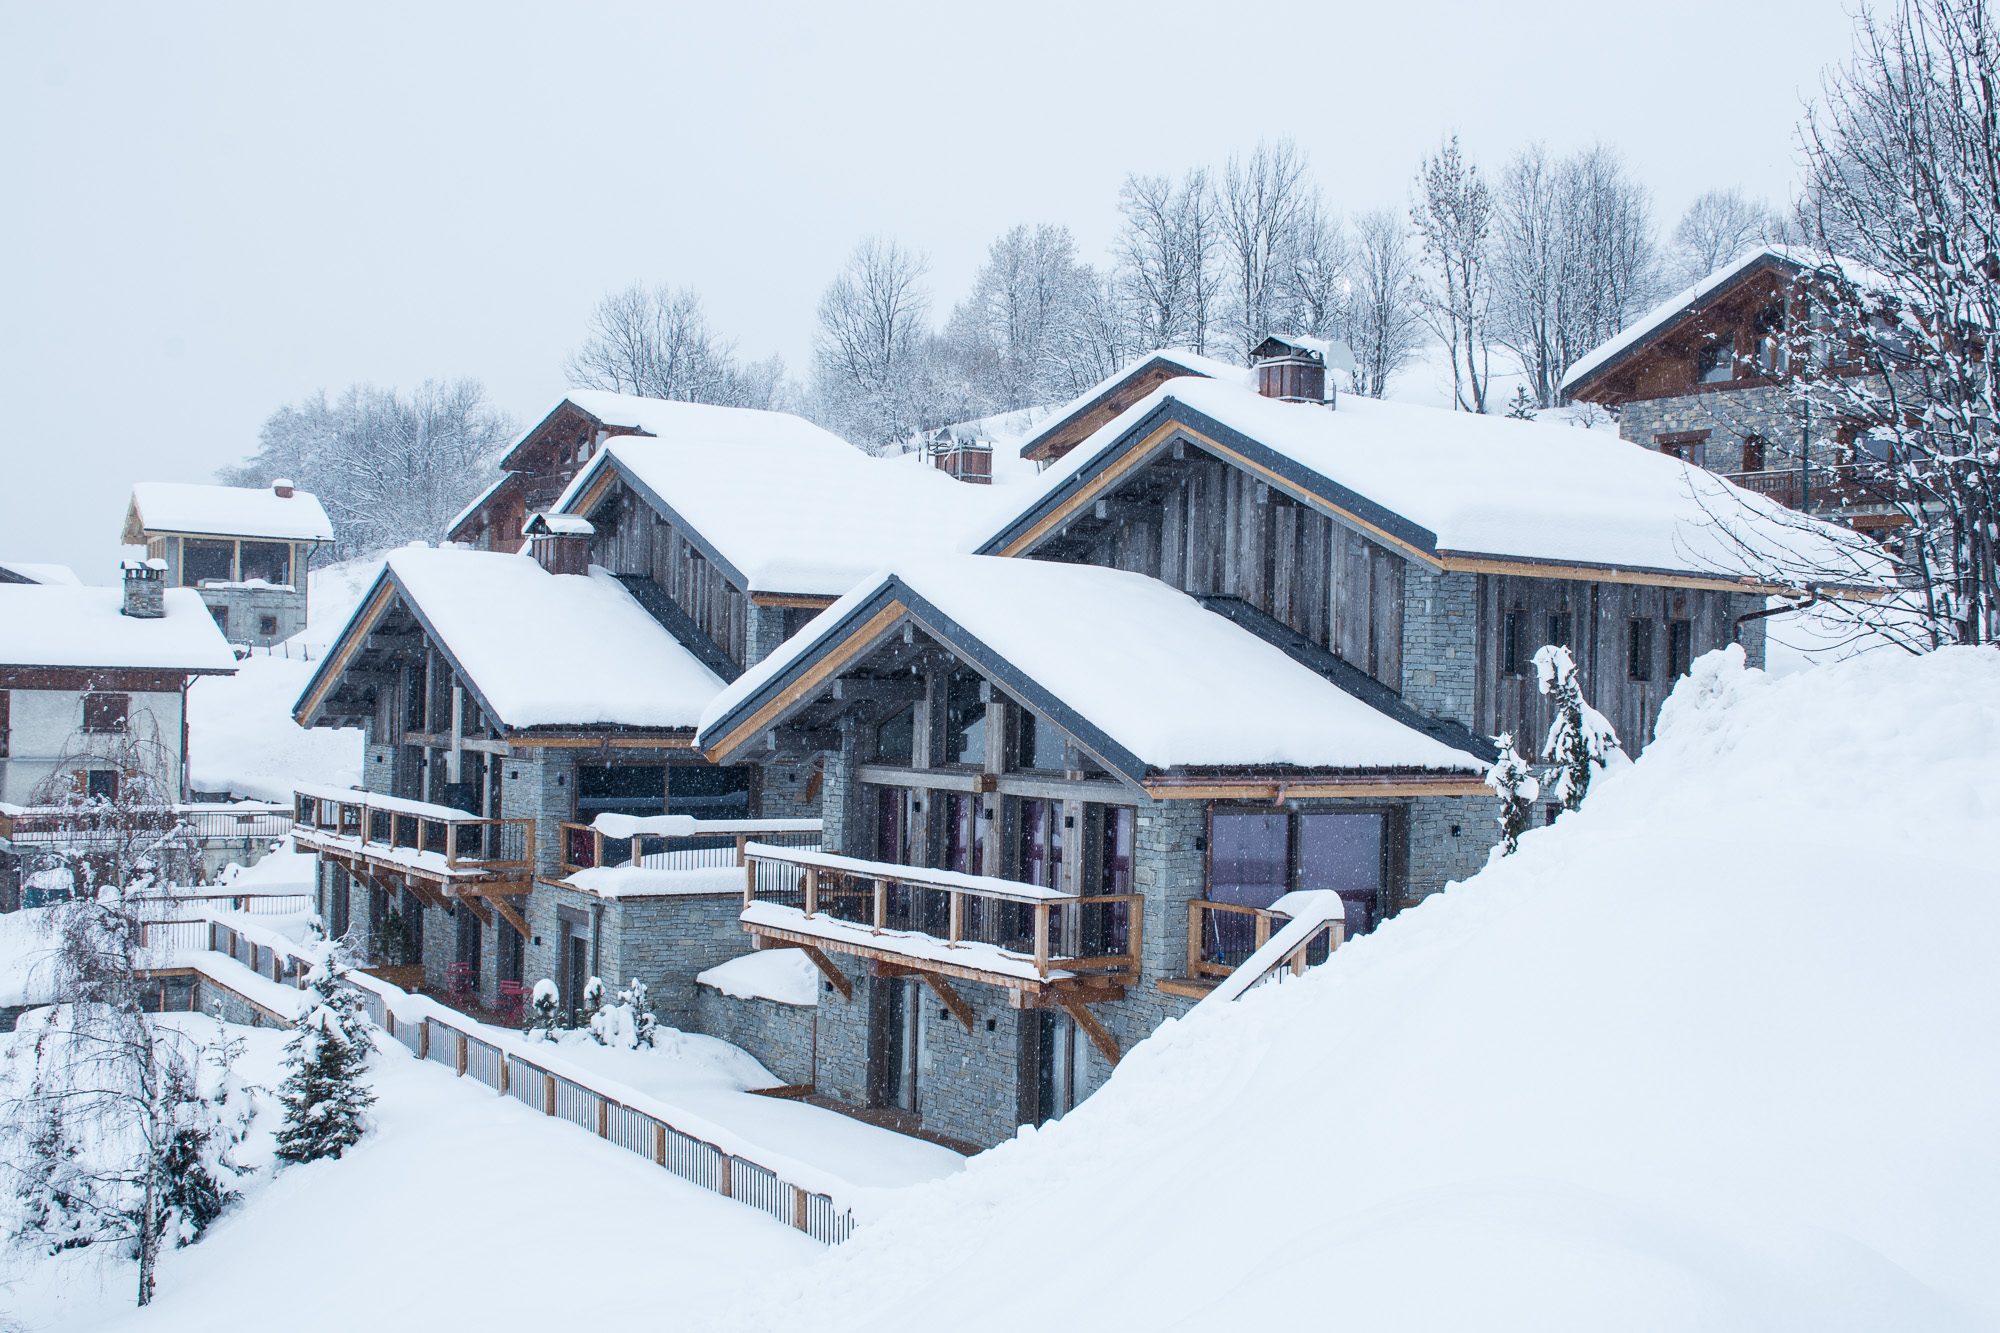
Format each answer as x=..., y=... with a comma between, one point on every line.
x=226, y=511
x=1682, y=302
x=784, y=975
x=45, y=626
x=542, y=649
x=1445, y=484
x=1135, y=670
x=1179, y=358
x=37, y=572
x=790, y=508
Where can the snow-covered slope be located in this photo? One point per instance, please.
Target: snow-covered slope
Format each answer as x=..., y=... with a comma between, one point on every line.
x=1714, y=1053
x=242, y=739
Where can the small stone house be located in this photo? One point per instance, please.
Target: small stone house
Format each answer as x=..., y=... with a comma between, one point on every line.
x=244, y=549
x=1228, y=650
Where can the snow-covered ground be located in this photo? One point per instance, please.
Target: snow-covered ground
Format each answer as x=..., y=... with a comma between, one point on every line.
x=1715, y=1053
x=242, y=740
x=460, y=1210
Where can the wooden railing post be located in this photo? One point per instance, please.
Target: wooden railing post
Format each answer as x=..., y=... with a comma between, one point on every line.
x=1195, y=924
x=812, y=890
x=548, y=1093
x=955, y=932
x=603, y=1116
x=424, y=1040
x=1042, y=938
x=881, y=904
x=742, y=841
x=451, y=843
x=749, y=881
x=798, y=1207
x=1263, y=929
x=726, y=1182
x=659, y=1144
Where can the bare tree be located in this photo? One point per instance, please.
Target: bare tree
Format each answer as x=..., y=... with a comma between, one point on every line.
x=874, y=358
x=1265, y=202
x=1318, y=285
x=1453, y=217
x=389, y=468
x=1168, y=258
x=1903, y=159
x=1718, y=226
x=1381, y=324
x=1015, y=336
x=656, y=342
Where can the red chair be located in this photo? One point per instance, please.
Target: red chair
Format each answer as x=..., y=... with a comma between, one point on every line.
x=459, y=979
x=513, y=1000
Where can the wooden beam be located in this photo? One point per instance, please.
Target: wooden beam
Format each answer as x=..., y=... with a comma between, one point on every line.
x=512, y=917
x=472, y=904
x=797, y=939
x=835, y=977
x=858, y=642
x=1255, y=789
x=951, y=998
x=1100, y=1037
x=802, y=601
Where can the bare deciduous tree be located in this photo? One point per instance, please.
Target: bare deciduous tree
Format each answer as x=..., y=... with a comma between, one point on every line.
x=656, y=342
x=1453, y=217
x=1265, y=202
x=1381, y=324
x=1718, y=226
x=874, y=376
x=1168, y=258
x=1016, y=337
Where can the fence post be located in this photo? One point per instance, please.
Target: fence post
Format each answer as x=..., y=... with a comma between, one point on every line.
x=812, y=890
x=726, y=1182
x=506, y=1074
x=548, y=1093
x=603, y=1116
x=461, y=1055
x=424, y=1040
x=659, y=1144
x=798, y=1207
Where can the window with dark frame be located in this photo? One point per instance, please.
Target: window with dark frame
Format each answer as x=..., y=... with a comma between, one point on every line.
x=101, y=784
x=1753, y=453
x=1513, y=648
x=206, y=561
x=1038, y=745
x=104, y=713
x=964, y=720
x=1680, y=647
x=1715, y=363
x=1560, y=628
x=267, y=626
x=1639, y=649
x=269, y=561
x=895, y=738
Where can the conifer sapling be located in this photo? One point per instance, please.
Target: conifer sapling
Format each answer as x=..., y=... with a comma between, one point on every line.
x=1580, y=738
x=1514, y=782
x=325, y=1100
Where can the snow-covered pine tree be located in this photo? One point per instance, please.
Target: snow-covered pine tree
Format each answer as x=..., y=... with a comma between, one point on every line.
x=325, y=1100
x=644, y=1021
x=1580, y=737
x=1514, y=782
x=1521, y=407
x=545, y=1013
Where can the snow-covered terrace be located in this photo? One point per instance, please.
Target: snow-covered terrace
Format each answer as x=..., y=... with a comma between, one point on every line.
x=413, y=838
x=655, y=856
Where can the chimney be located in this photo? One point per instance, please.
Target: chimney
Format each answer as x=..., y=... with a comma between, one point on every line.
x=1293, y=369
x=560, y=543
x=145, y=589
x=282, y=488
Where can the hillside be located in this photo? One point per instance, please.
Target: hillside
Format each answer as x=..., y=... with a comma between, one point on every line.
x=1714, y=1053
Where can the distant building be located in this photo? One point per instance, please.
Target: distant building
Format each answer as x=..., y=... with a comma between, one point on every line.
x=21, y=571
x=1720, y=376
x=244, y=549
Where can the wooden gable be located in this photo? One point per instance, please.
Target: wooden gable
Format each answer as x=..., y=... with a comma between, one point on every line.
x=1056, y=440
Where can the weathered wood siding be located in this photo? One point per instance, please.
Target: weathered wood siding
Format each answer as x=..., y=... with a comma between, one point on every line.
x=632, y=539
x=1600, y=617
x=1212, y=530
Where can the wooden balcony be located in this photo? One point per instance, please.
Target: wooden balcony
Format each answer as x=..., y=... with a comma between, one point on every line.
x=414, y=839
x=939, y=923
x=1222, y=937
x=1822, y=489
x=702, y=845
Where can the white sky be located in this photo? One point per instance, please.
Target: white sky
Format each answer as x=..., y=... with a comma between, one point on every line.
x=213, y=210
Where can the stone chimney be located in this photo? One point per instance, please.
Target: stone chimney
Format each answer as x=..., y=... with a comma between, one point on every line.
x=282, y=488
x=145, y=589
x=560, y=543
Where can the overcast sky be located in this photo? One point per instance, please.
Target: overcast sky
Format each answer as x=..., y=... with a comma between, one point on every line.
x=213, y=210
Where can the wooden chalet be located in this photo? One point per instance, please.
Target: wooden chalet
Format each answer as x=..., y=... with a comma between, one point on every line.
x=244, y=549
x=1721, y=376
x=1090, y=410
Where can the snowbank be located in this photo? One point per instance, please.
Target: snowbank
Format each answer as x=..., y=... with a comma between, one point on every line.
x=1713, y=1053
x=242, y=739
x=784, y=975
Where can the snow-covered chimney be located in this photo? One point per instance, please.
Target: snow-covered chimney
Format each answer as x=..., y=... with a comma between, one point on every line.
x=145, y=589
x=1293, y=369
x=282, y=488
x=560, y=543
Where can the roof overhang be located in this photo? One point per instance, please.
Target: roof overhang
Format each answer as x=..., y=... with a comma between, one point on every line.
x=1587, y=386
x=1037, y=449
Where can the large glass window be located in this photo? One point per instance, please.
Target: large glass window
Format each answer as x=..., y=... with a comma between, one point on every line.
x=1037, y=743
x=895, y=739
x=964, y=721
x=1257, y=856
x=1715, y=363
x=1343, y=852
x=958, y=840
x=1041, y=847
x=269, y=561
x=619, y=789
x=204, y=560
x=1248, y=856
x=709, y=792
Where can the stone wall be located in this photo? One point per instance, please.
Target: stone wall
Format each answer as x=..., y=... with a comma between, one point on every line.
x=1450, y=838
x=781, y=1036
x=540, y=784
x=241, y=609
x=1440, y=642
x=1729, y=415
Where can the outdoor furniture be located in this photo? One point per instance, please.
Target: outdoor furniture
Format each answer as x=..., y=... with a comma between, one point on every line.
x=459, y=979
x=513, y=1000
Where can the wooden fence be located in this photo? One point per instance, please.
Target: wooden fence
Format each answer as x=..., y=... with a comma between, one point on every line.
x=511, y=1074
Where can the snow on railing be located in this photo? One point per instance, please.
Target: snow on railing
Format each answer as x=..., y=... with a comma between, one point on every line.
x=621, y=1116
x=1315, y=914
x=677, y=842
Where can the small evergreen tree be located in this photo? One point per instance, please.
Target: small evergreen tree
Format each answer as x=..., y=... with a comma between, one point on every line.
x=325, y=1100
x=628, y=1022
x=1522, y=406
x=1514, y=782
x=1580, y=738
x=593, y=1002
x=545, y=1015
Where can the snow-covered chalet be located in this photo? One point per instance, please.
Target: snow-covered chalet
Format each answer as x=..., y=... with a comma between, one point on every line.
x=244, y=549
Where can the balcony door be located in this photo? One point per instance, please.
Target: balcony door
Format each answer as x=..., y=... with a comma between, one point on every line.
x=896, y=1044
x=1345, y=853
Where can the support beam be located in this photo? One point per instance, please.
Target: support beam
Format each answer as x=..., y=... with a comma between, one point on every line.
x=951, y=998
x=511, y=917
x=835, y=977
x=1106, y=1044
x=471, y=903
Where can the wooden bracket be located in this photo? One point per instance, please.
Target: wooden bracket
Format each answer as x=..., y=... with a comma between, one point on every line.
x=952, y=999
x=470, y=902
x=835, y=977
x=512, y=917
x=1106, y=1044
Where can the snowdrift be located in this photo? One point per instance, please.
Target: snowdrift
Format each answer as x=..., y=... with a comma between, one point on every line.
x=1716, y=1053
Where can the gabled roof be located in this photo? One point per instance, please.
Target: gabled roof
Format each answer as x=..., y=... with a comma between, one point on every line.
x=1103, y=397
x=1656, y=323
x=796, y=511
x=224, y=511
x=25, y=571
x=58, y=626
x=1137, y=673
x=1455, y=490
x=536, y=649
x=667, y=419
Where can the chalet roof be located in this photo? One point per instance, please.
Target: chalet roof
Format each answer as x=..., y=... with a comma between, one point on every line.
x=1647, y=328
x=224, y=511
x=473, y=506
x=60, y=626
x=537, y=649
x=1454, y=489
x=1176, y=360
x=795, y=511
x=27, y=571
x=670, y=420
x=1137, y=672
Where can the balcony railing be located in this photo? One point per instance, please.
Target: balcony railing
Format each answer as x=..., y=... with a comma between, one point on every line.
x=701, y=844
x=976, y=922
x=437, y=840
x=1223, y=936
x=247, y=823
x=1831, y=487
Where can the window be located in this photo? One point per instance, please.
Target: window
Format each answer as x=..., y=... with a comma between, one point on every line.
x=1680, y=647
x=1715, y=362
x=1344, y=853
x=1773, y=355
x=895, y=739
x=267, y=626
x=1041, y=845
x=964, y=720
x=221, y=614
x=1248, y=855
x=269, y=561
x=1037, y=743
x=101, y=784
x=1639, y=650
x=709, y=792
x=4, y=711
x=958, y=836
x=1257, y=856
x=1513, y=648
x=617, y=789
x=106, y=712
x=1560, y=628
x=1691, y=447
x=1753, y=453
x=204, y=560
